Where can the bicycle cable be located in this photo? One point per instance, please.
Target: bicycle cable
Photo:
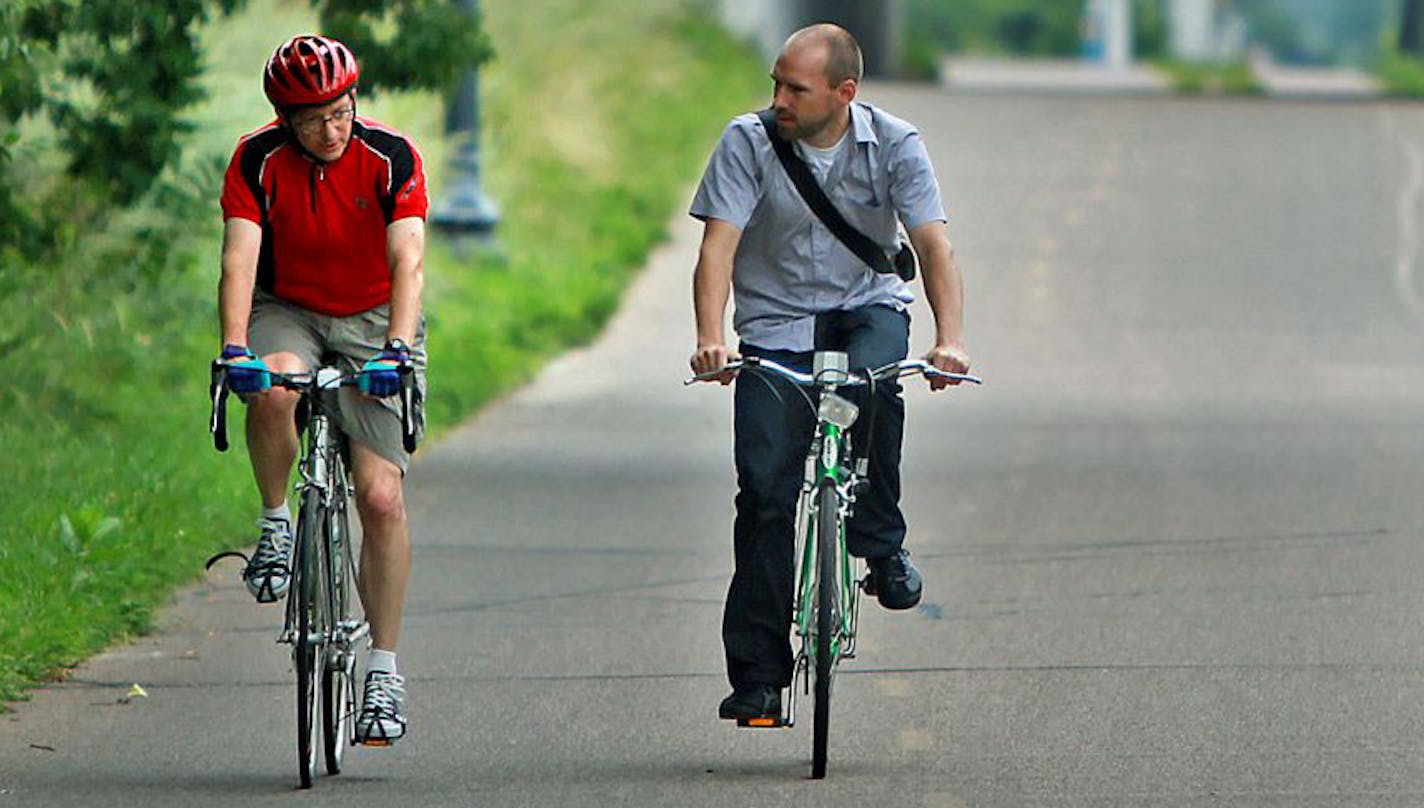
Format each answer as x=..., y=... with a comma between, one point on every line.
x=761, y=375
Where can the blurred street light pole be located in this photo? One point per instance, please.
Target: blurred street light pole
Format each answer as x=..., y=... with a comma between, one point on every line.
x=1119, y=51
x=463, y=208
x=1411, y=28
x=1109, y=33
x=874, y=23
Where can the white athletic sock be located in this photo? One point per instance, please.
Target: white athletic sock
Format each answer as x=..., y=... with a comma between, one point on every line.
x=383, y=661
x=279, y=512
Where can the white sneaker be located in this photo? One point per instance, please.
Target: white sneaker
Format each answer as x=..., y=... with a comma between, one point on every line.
x=269, y=572
x=382, y=718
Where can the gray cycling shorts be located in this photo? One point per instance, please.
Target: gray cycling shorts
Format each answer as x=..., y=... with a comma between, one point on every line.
x=277, y=326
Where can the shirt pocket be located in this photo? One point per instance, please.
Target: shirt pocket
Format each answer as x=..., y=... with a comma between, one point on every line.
x=859, y=188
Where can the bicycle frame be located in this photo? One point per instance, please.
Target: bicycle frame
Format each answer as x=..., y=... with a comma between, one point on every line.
x=324, y=484
x=828, y=469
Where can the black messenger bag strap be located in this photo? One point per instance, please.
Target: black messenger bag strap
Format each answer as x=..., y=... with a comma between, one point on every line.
x=857, y=242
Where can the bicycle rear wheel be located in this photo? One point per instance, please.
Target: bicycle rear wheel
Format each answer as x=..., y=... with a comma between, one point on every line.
x=828, y=524
x=306, y=649
x=338, y=694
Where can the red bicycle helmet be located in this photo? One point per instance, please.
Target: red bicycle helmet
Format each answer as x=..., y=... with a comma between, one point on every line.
x=307, y=70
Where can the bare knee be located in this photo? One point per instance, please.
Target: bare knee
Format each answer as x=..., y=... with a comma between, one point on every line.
x=381, y=500
x=275, y=407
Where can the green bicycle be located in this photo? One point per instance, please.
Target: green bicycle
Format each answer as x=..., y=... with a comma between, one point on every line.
x=828, y=586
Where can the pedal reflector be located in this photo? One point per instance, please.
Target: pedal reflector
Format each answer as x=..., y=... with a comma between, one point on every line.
x=769, y=722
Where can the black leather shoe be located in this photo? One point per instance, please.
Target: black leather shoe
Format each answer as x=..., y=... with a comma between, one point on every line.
x=752, y=701
x=895, y=581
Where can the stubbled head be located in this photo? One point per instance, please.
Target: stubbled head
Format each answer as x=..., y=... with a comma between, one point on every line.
x=816, y=76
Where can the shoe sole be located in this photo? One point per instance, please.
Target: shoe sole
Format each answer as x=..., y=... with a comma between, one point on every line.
x=898, y=607
x=387, y=741
x=764, y=720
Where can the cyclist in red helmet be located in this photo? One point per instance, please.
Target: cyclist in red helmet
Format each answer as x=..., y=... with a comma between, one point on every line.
x=323, y=242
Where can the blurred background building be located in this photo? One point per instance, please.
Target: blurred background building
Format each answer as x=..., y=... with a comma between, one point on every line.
x=908, y=37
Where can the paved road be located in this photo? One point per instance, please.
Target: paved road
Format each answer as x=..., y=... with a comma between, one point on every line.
x=1172, y=548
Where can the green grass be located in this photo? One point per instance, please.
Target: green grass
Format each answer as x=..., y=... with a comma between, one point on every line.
x=1196, y=78
x=1400, y=74
x=598, y=117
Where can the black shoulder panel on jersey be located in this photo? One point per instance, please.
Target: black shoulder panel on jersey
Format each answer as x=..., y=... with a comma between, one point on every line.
x=254, y=153
x=267, y=261
x=398, y=153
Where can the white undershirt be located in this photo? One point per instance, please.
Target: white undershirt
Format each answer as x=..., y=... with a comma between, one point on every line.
x=821, y=160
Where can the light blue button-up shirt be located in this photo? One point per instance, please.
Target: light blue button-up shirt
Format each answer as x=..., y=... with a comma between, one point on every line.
x=788, y=267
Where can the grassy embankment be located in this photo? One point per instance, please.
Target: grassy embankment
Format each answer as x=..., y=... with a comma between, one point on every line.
x=597, y=117
x=1400, y=75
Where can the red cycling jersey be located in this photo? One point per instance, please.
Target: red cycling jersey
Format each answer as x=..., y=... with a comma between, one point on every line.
x=324, y=224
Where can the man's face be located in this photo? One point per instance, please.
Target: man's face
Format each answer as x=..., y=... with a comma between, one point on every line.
x=325, y=130
x=805, y=102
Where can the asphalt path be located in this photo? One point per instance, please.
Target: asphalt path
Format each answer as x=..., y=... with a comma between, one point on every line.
x=1172, y=547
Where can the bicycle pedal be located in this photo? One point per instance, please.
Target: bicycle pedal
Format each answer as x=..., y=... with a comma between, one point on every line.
x=867, y=584
x=763, y=722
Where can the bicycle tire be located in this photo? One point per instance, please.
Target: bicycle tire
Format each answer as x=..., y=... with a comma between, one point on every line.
x=828, y=524
x=305, y=650
x=338, y=700
x=338, y=695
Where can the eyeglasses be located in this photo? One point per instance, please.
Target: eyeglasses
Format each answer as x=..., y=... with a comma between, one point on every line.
x=316, y=123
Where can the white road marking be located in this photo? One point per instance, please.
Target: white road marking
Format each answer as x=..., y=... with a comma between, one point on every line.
x=1408, y=212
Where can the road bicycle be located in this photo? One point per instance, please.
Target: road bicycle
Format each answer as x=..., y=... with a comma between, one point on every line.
x=828, y=586
x=321, y=622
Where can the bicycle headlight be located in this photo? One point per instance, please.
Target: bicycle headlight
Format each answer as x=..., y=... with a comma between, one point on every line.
x=837, y=410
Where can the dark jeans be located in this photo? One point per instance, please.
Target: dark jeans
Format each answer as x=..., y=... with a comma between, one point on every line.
x=773, y=429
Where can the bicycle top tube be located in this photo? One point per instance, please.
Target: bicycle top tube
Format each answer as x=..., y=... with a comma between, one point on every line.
x=904, y=367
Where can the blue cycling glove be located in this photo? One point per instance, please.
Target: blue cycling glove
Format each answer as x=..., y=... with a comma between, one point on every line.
x=246, y=372
x=380, y=376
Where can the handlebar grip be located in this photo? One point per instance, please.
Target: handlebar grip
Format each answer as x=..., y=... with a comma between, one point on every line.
x=732, y=367
x=217, y=391
x=407, y=397
x=931, y=373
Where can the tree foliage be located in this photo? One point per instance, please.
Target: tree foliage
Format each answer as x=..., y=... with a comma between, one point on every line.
x=113, y=78
x=432, y=42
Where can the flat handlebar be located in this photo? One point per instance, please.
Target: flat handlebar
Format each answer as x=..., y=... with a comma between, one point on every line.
x=896, y=370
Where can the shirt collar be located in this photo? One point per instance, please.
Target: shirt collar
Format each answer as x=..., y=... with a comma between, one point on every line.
x=860, y=119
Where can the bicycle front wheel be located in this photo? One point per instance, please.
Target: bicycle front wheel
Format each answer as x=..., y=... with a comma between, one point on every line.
x=338, y=694
x=828, y=525
x=306, y=649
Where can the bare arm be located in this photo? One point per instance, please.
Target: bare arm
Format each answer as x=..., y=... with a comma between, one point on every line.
x=944, y=289
x=242, y=241
x=405, y=252
x=711, y=288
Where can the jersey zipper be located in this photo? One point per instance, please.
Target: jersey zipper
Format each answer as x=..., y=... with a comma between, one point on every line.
x=317, y=173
